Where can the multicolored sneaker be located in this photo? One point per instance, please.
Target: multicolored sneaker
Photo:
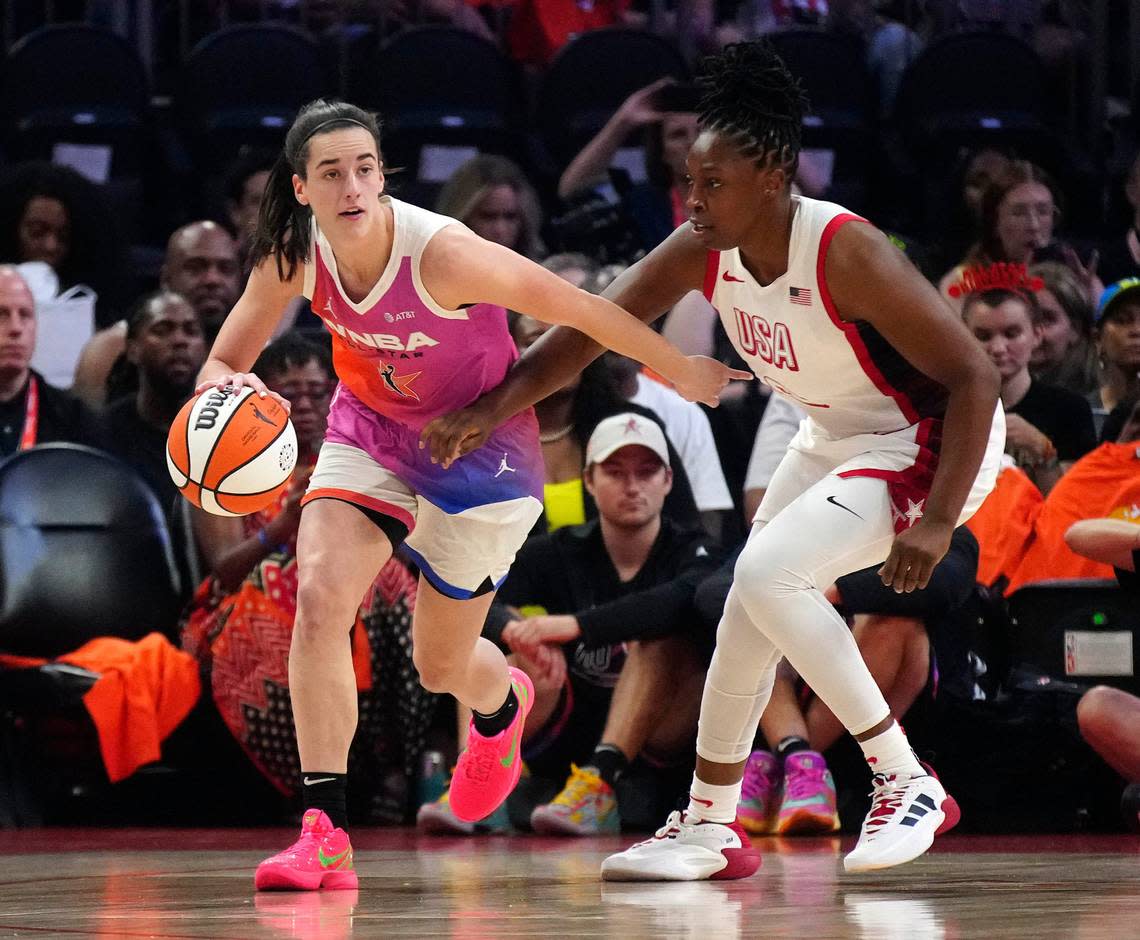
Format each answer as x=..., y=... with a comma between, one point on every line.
x=437, y=818
x=488, y=770
x=808, y=801
x=321, y=858
x=907, y=812
x=586, y=806
x=759, y=793
x=686, y=848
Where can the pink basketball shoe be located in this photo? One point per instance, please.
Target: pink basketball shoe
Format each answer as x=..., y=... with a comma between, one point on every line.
x=488, y=770
x=321, y=858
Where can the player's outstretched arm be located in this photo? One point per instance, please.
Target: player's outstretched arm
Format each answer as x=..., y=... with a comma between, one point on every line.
x=646, y=290
x=248, y=328
x=870, y=279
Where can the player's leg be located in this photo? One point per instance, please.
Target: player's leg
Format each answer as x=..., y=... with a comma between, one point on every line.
x=339, y=551
x=897, y=652
x=780, y=576
x=707, y=841
x=463, y=556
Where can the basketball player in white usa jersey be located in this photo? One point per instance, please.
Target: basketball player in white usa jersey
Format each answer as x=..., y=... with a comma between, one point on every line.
x=900, y=445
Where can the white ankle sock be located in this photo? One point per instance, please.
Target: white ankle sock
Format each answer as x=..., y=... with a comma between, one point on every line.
x=889, y=753
x=712, y=803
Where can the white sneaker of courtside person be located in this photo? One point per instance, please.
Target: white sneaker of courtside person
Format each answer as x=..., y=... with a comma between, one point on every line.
x=686, y=848
x=907, y=812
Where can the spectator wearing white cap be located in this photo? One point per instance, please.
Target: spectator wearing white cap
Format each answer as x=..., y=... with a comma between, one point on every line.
x=600, y=616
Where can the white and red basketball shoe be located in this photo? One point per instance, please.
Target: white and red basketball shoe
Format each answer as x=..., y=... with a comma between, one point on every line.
x=907, y=812
x=686, y=848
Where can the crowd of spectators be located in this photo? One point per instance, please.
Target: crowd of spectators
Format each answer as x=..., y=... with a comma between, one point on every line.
x=612, y=606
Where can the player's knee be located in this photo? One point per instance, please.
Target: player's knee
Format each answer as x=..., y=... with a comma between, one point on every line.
x=763, y=576
x=322, y=609
x=438, y=672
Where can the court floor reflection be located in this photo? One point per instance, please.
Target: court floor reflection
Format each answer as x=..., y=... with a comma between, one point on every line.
x=132, y=885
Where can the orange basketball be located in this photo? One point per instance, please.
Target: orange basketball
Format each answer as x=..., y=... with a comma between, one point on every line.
x=231, y=452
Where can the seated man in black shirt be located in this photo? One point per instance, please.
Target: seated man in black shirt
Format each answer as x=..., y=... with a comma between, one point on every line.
x=165, y=343
x=601, y=618
x=31, y=411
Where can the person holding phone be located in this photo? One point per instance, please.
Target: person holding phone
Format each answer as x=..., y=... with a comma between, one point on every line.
x=665, y=112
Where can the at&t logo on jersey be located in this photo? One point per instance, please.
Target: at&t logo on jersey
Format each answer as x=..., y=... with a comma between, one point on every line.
x=771, y=342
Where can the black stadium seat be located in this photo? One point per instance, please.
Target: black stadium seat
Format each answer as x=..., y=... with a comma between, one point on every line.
x=243, y=85
x=972, y=89
x=84, y=552
x=442, y=87
x=590, y=78
x=75, y=84
x=832, y=68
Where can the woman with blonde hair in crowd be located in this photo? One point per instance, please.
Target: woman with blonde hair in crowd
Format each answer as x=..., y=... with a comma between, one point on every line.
x=491, y=195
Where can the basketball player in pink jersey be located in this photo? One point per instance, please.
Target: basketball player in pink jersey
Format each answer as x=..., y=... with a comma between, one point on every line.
x=415, y=305
x=901, y=444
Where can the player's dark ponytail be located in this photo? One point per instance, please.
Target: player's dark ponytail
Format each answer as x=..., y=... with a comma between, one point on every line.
x=283, y=224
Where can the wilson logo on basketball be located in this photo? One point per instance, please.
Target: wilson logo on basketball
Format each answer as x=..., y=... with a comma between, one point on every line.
x=208, y=416
x=231, y=452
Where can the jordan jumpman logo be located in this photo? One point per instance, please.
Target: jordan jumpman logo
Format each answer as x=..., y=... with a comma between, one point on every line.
x=504, y=467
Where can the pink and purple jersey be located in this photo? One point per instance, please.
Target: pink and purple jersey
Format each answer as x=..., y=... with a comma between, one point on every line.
x=402, y=359
x=398, y=351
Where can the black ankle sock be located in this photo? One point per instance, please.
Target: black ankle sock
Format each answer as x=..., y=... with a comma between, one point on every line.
x=610, y=762
x=790, y=745
x=490, y=725
x=325, y=791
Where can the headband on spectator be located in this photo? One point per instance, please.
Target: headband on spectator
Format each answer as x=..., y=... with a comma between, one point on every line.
x=1002, y=275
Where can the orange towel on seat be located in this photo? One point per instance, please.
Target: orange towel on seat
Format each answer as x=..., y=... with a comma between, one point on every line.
x=1003, y=525
x=145, y=689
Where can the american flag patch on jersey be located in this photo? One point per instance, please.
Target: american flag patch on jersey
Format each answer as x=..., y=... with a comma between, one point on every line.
x=799, y=295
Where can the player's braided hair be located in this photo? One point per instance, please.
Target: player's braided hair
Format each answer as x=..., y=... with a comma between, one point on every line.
x=749, y=95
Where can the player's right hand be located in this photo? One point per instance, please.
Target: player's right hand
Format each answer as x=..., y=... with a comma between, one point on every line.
x=239, y=380
x=450, y=436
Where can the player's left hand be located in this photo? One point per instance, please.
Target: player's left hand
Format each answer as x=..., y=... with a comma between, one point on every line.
x=914, y=554
x=450, y=436
x=704, y=379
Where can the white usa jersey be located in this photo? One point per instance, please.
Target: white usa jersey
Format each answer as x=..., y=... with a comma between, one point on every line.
x=846, y=376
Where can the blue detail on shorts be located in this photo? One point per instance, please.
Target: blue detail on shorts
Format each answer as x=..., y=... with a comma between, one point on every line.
x=444, y=587
x=447, y=590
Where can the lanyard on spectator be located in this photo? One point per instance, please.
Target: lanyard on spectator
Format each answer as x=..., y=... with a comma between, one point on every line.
x=31, y=415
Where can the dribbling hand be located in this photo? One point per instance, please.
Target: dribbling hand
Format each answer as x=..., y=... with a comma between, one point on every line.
x=239, y=380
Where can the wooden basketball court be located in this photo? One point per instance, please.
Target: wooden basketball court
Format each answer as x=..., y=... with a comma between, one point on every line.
x=198, y=883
